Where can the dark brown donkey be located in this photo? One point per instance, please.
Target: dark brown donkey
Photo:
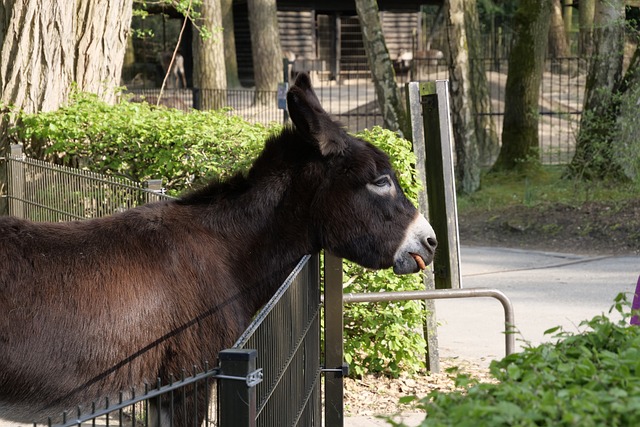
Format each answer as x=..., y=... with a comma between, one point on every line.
x=91, y=307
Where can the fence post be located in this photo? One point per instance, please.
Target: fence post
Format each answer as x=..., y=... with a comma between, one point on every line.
x=441, y=187
x=16, y=182
x=333, y=342
x=430, y=327
x=237, y=395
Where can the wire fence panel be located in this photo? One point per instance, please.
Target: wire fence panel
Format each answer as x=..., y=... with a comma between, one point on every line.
x=289, y=394
x=42, y=191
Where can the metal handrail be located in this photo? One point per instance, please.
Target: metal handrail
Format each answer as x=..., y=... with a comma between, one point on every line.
x=445, y=294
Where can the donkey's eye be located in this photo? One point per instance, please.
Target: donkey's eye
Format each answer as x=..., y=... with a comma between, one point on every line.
x=383, y=181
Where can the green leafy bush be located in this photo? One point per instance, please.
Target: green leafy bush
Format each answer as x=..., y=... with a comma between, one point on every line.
x=585, y=379
x=141, y=141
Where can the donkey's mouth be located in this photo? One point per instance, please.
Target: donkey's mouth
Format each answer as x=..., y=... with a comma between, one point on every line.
x=419, y=261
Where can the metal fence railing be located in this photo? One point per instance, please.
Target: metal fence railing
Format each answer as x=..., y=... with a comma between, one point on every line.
x=351, y=98
x=42, y=191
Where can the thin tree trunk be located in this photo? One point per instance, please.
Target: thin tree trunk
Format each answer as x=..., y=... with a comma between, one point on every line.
x=474, y=132
x=209, y=73
x=586, y=13
x=558, y=47
x=230, y=60
x=384, y=77
x=520, y=144
x=594, y=157
x=265, y=46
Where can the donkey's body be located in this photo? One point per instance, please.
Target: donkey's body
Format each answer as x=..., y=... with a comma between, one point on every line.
x=90, y=308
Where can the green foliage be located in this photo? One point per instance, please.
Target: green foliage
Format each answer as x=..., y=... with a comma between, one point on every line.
x=504, y=189
x=141, y=141
x=386, y=337
x=585, y=379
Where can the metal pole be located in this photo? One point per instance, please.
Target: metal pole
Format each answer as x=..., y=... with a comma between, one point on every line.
x=333, y=342
x=446, y=294
x=237, y=397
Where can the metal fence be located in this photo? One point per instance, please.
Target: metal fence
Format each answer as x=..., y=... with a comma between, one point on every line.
x=277, y=384
x=351, y=98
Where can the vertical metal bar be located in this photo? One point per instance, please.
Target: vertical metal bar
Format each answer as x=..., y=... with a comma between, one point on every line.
x=441, y=189
x=237, y=399
x=333, y=341
x=430, y=326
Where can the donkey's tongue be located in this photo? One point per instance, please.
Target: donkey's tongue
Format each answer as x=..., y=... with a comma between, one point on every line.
x=419, y=261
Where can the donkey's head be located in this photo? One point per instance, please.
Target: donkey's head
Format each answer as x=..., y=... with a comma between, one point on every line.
x=359, y=208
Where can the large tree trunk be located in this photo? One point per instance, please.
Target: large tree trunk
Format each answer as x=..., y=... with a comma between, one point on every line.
x=384, y=77
x=209, y=73
x=474, y=133
x=230, y=60
x=45, y=46
x=520, y=143
x=594, y=156
x=265, y=46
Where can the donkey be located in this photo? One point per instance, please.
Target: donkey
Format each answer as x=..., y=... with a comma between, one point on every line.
x=91, y=307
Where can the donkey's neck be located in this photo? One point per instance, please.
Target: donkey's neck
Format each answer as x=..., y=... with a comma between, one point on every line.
x=265, y=225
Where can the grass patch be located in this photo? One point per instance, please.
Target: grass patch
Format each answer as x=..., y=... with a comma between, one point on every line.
x=506, y=189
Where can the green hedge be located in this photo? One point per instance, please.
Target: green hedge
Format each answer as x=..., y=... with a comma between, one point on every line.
x=585, y=379
x=141, y=141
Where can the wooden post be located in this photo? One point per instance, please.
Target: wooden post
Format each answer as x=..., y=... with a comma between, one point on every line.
x=430, y=327
x=441, y=187
x=16, y=182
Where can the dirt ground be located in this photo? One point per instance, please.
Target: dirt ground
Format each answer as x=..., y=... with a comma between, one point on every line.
x=592, y=228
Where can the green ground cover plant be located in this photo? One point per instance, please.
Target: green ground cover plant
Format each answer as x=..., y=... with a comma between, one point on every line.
x=587, y=379
x=141, y=141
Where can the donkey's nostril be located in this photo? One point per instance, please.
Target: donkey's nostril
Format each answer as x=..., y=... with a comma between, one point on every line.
x=432, y=242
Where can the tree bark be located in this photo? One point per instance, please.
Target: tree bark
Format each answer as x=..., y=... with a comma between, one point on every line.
x=474, y=133
x=46, y=46
x=209, y=73
x=586, y=13
x=558, y=46
x=265, y=46
x=384, y=78
x=520, y=143
x=594, y=157
x=230, y=60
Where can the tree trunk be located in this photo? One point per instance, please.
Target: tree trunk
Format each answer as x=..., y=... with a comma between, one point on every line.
x=230, y=60
x=209, y=73
x=586, y=13
x=594, y=157
x=558, y=47
x=384, y=78
x=520, y=144
x=474, y=133
x=265, y=46
x=45, y=46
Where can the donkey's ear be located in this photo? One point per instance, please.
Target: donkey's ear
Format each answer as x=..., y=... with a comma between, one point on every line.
x=312, y=121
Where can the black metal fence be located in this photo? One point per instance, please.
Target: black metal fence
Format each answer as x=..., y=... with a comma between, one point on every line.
x=271, y=377
x=351, y=98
